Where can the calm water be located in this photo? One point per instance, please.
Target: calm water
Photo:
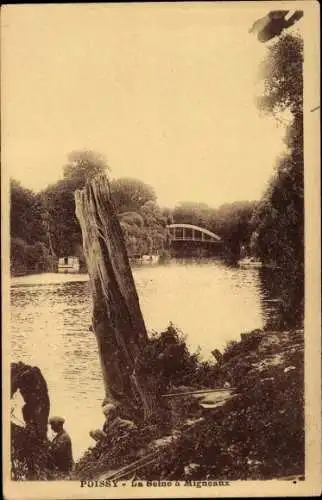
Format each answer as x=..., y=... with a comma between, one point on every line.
x=51, y=313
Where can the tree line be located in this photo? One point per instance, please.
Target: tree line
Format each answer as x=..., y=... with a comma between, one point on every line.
x=44, y=226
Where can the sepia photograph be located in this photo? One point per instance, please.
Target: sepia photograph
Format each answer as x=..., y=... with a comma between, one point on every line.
x=160, y=256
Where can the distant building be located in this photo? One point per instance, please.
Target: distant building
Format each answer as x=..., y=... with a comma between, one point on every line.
x=68, y=265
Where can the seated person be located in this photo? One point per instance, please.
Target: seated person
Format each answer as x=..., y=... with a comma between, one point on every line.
x=114, y=424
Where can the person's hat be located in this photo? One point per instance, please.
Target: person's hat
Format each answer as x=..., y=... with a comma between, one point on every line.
x=56, y=420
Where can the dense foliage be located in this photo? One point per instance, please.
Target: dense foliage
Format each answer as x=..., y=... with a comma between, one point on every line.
x=53, y=230
x=278, y=237
x=135, y=203
x=29, y=245
x=44, y=226
x=145, y=228
x=257, y=434
x=231, y=221
x=279, y=218
x=59, y=203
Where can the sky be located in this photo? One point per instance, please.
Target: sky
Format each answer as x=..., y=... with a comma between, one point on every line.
x=165, y=92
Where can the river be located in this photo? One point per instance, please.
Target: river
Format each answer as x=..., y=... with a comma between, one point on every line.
x=209, y=301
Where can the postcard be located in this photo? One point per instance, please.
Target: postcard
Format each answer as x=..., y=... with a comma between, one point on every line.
x=161, y=250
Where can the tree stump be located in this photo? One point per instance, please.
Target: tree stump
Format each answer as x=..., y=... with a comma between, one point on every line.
x=117, y=319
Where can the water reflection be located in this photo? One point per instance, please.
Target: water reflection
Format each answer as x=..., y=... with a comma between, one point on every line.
x=282, y=297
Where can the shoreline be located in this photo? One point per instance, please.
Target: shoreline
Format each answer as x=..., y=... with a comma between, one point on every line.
x=250, y=423
x=247, y=434
x=137, y=262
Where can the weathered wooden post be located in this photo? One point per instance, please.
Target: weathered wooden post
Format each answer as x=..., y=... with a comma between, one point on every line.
x=117, y=319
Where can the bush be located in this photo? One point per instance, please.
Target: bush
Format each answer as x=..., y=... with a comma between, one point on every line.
x=115, y=453
x=249, y=342
x=257, y=435
x=167, y=358
x=29, y=258
x=30, y=457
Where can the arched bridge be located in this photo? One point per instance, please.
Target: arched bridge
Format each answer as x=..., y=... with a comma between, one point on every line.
x=189, y=232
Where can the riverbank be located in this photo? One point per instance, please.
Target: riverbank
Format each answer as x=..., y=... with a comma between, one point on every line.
x=181, y=288
x=256, y=431
x=239, y=418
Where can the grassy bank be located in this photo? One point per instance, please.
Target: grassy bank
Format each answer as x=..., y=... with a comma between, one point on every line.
x=256, y=433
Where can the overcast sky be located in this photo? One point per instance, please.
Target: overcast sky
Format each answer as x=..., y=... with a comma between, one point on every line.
x=165, y=92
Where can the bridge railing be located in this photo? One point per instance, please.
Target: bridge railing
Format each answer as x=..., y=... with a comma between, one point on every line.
x=185, y=232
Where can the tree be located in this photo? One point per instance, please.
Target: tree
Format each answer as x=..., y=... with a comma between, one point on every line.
x=63, y=229
x=131, y=218
x=278, y=237
x=28, y=242
x=144, y=231
x=25, y=214
x=130, y=194
x=155, y=226
x=63, y=226
x=83, y=165
x=198, y=214
x=129, y=197
x=282, y=72
x=279, y=219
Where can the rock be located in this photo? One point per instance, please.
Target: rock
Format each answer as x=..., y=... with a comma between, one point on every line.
x=33, y=388
x=29, y=443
